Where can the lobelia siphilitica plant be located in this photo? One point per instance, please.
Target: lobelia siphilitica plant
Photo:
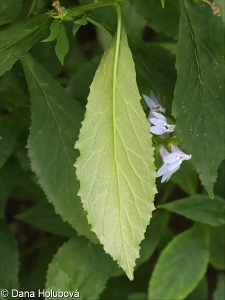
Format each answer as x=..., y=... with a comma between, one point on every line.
x=115, y=195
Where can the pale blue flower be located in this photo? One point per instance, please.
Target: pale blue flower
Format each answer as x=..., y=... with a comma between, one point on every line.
x=171, y=162
x=161, y=126
x=153, y=104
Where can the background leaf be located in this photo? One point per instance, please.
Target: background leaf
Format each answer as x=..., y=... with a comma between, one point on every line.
x=200, y=292
x=54, y=129
x=199, y=208
x=199, y=93
x=153, y=235
x=187, y=178
x=9, y=10
x=217, y=246
x=150, y=61
x=86, y=268
x=54, y=31
x=9, y=131
x=9, y=266
x=18, y=38
x=162, y=20
x=220, y=289
x=62, y=44
x=43, y=216
x=115, y=167
x=188, y=252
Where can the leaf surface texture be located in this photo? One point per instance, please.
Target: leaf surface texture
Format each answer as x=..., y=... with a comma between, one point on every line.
x=115, y=167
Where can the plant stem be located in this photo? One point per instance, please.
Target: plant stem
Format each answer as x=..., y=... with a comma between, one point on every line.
x=79, y=10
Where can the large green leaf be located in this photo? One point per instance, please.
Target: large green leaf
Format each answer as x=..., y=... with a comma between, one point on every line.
x=18, y=38
x=9, y=10
x=199, y=94
x=115, y=167
x=80, y=265
x=181, y=265
x=55, y=124
x=9, y=266
x=199, y=208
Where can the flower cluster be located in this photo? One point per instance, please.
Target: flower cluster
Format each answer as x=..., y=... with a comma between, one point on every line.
x=171, y=160
x=156, y=117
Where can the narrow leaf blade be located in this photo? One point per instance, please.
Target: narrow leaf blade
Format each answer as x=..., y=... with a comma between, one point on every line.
x=189, y=252
x=115, y=167
x=199, y=208
x=54, y=31
x=199, y=94
x=54, y=129
x=62, y=44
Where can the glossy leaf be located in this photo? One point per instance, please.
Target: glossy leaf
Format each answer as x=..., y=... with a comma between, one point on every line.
x=199, y=208
x=199, y=93
x=115, y=167
x=9, y=10
x=86, y=268
x=54, y=129
x=18, y=38
x=9, y=266
x=189, y=252
x=43, y=216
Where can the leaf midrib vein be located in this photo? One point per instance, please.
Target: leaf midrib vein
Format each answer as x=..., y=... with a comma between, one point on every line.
x=115, y=86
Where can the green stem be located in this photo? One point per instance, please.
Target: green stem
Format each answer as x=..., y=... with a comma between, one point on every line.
x=79, y=10
x=33, y=7
x=96, y=23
